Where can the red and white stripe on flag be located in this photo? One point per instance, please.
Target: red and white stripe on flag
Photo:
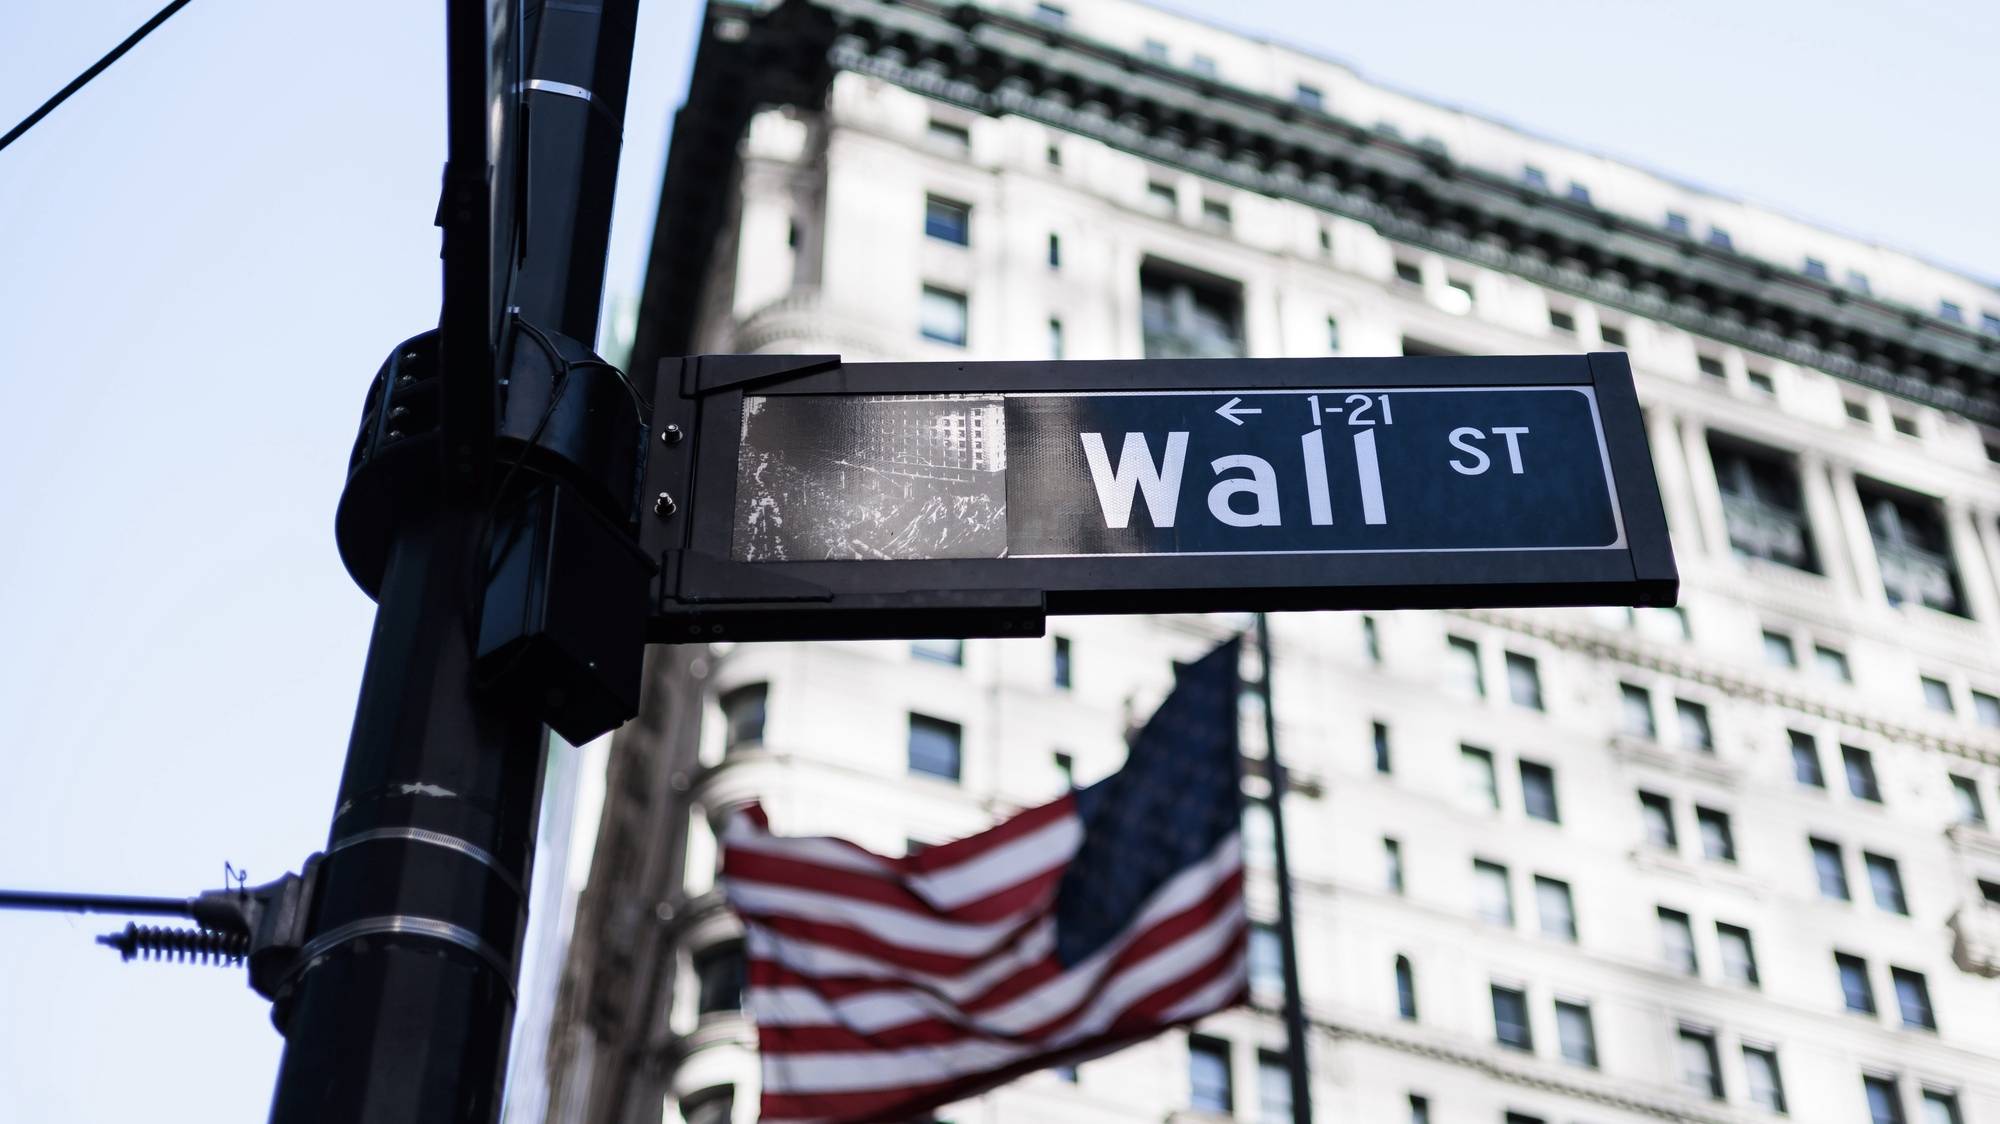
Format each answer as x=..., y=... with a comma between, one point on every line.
x=883, y=987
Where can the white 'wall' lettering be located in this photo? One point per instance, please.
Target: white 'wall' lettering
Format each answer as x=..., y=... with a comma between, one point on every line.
x=1135, y=471
x=1263, y=484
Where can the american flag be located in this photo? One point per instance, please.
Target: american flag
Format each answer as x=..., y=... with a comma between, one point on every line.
x=884, y=987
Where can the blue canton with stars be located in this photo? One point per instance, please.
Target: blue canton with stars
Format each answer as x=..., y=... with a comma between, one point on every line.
x=1179, y=794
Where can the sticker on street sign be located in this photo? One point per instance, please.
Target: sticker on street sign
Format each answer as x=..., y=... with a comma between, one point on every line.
x=1155, y=486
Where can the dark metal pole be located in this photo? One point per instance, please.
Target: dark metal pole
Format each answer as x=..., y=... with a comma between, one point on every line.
x=1288, y=944
x=94, y=903
x=402, y=1002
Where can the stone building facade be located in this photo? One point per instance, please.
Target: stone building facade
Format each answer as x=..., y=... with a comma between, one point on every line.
x=1727, y=863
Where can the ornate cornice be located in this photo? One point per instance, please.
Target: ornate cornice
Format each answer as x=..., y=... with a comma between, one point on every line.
x=996, y=63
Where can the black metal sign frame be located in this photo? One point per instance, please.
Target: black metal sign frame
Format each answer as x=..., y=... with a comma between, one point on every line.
x=705, y=593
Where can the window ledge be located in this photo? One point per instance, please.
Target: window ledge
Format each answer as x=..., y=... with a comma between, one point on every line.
x=1646, y=751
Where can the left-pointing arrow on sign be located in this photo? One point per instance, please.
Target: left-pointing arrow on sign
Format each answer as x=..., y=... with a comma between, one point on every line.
x=1229, y=410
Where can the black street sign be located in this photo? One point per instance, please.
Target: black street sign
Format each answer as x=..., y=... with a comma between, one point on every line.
x=811, y=498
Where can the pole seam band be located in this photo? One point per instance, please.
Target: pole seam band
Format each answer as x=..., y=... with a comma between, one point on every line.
x=471, y=851
x=403, y=925
x=570, y=90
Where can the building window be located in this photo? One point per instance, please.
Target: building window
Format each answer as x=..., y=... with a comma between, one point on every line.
x=1562, y=321
x=1677, y=223
x=743, y=716
x=1538, y=792
x=1493, y=895
x=1965, y=801
x=1695, y=732
x=1913, y=999
x=1699, y=1069
x=1912, y=549
x=1855, y=990
x=1066, y=766
x=1332, y=335
x=1711, y=366
x=1534, y=177
x=1420, y=1109
x=947, y=135
x=1457, y=297
x=1816, y=269
x=1860, y=768
x=1612, y=335
x=1579, y=193
x=1522, y=1118
x=1885, y=883
x=1061, y=671
x=1392, y=865
x=1154, y=49
x=1832, y=663
x=1760, y=1069
x=1805, y=760
x=1762, y=504
x=1163, y=197
x=934, y=746
x=1830, y=869
x=1056, y=348
x=1208, y=1076
x=1267, y=965
x=1050, y=14
x=1406, y=990
x=950, y=652
x=1779, y=650
x=1382, y=761
x=1409, y=272
x=1857, y=411
x=718, y=974
x=1885, y=1100
x=1524, y=681
x=1510, y=1018
x=1556, y=909
x=1055, y=251
x=1371, y=640
x=1677, y=942
x=1480, y=783
x=1274, y=1089
x=1462, y=667
x=1311, y=97
x=1719, y=238
x=1636, y=711
x=1202, y=65
x=1941, y=1107
x=1739, y=958
x=947, y=221
x=942, y=316
x=1905, y=424
x=1986, y=709
x=1259, y=836
x=1950, y=311
x=1718, y=843
x=1055, y=161
x=1188, y=317
x=1858, y=281
x=1067, y=1074
x=1574, y=1033
x=1937, y=695
x=1656, y=813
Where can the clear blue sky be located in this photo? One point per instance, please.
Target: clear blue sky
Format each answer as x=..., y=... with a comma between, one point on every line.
x=204, y=256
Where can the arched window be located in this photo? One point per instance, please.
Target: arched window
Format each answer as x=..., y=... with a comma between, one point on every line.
x=710, y=1106
x=1406, y=990
x=743, y=715
x=718, y=973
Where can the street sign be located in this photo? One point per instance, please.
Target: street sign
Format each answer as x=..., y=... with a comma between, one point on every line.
x=811, y=498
